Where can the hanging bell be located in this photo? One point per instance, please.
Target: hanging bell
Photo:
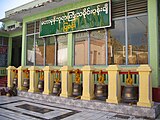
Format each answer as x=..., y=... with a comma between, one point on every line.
x=77, y=89
x=56, y=88
x=41, y=85
x=15, y=81
x=100, y=92
x=26, y=83
x=129, y=94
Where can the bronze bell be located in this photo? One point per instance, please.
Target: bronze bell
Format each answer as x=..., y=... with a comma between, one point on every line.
x=41, y=82
x=56, y=88
x=15, y=81
x=41, y=85
x=77, y=89
x=26, y=83
x=129, y=94
x=100, y=92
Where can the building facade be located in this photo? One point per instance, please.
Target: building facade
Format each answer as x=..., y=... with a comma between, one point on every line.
x=83, y=32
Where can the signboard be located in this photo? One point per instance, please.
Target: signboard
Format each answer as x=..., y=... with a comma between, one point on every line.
x=90, y=17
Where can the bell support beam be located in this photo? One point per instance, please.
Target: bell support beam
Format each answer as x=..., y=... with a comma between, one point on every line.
x=48, y=80
x=145, y=86
x=66, y=81
x=10, y=76
x=21, y=76
x=114, y=84
x=88, y=83
x=33, y=79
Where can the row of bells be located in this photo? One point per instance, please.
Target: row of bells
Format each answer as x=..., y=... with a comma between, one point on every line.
x=128, y=94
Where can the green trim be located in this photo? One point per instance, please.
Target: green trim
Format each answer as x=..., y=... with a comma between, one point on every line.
x=4, y=34
x=153, y=40
x=9, y=51
x=70, y=49
x=15, y=34
x=62, y=9
x=23, y=58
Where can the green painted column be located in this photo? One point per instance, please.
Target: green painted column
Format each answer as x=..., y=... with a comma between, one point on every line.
x=9, y=51
x=153, y=40
x=23, y=59
x=70, y=49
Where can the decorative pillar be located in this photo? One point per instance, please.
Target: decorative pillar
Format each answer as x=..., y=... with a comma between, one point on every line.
x=145, y=86
x=114, y=84
x=48, y=80
x=33, y=79
x=88, y=83
x=10, y=76
x=66, y=81
x=21, y=76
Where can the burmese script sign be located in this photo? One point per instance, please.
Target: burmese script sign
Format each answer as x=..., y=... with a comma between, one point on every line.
x=90, y=17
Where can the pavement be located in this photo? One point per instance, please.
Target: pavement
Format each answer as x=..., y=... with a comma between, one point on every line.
x=19, y=108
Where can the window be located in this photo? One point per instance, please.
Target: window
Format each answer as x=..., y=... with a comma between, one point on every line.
x=3, y=51
x=81, y=48
x=11, y=27
x=116, y=43
x=135, y=37
x=126, y=39
x=62, y=50
x=39, y=51
x=138, y=40
x=45, y=51
x=98, y=47
x=30, y=50
x=50, y=50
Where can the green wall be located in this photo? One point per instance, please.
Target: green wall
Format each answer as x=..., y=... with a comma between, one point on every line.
x=153, y=41
x=152, y=30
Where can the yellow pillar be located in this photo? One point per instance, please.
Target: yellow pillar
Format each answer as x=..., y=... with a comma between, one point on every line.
x=88, y=83
x=48, y=80
x=33, y=87
x=114, y=84
x=21, y=76
x=66, y=81
x=145, y=86
x=10, y=76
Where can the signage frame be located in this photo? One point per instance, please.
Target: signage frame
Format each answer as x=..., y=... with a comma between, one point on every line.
x=74, y=31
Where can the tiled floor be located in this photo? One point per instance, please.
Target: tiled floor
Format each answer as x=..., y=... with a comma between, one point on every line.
x=18, y=108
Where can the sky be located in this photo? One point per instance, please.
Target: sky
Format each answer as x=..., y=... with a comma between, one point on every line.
x=10, y=4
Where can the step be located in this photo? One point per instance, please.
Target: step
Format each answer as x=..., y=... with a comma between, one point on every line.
x=97, y=104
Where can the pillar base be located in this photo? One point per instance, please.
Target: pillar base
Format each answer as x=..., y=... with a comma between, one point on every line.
x=114, y=101
x=87, y=98
x=33, y=91
x=22, y=88
x=145, y=104
x=47, y=92
x=65, y=95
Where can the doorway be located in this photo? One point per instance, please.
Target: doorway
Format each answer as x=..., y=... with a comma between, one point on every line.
x=16, y=51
